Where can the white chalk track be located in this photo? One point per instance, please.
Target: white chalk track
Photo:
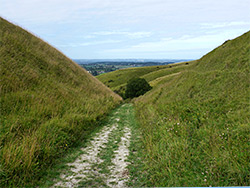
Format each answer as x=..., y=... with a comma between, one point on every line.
x=85, y=166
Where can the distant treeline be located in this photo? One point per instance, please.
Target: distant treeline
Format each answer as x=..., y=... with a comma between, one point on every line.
x=100, y=67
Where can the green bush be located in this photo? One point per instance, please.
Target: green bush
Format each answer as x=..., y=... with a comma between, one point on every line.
x=136, y=87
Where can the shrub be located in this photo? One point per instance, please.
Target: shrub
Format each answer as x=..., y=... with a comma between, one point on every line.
x=136, y=87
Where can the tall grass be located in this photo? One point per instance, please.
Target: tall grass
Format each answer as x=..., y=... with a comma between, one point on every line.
x=195, y=124
x=47, y=104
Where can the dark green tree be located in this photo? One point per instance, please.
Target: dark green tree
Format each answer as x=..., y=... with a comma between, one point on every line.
x=136, y=87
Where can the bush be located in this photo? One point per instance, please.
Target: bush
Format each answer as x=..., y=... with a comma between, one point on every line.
x=136, y=87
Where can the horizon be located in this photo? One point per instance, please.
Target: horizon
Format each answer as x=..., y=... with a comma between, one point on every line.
x=130, y=60
x=138, y=29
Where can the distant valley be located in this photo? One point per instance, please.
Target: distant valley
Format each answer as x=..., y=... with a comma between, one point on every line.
x=100, y=66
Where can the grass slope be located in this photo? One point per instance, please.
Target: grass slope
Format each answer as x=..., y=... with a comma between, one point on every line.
x=195, y=124
x=119, y=77
x=47, y=104
x=117, y=80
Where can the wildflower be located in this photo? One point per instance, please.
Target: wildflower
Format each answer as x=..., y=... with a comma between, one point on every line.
x=178, y=123
x=205, y=180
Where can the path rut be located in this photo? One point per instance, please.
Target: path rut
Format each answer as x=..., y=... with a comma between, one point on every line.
x=92, y=168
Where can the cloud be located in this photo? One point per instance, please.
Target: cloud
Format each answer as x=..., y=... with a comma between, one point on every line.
x=185, y=42
x=224, y=24
x=88, y=36
x=132, y=35
x=130, y=26
x=73, y=45
x=49, y=11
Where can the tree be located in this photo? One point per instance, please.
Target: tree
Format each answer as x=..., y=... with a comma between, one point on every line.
x=136, y=87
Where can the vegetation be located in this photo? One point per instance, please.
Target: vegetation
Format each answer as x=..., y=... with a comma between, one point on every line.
x=122, y=76
x=195, y=121
x=47, y=105
x=195, y=124
x=98, y=173
x=96, y=69
x=136, y=87
x=117, y=80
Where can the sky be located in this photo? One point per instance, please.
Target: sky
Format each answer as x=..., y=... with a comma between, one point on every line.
x=123, y=29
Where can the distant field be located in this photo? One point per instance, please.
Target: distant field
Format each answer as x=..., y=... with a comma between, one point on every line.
x=117, y=80
x=105, y=66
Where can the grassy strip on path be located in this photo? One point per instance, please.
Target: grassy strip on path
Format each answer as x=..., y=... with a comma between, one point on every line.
x=122, y=165
x=110, y=157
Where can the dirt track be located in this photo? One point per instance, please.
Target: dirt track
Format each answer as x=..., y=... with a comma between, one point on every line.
x=95, y=168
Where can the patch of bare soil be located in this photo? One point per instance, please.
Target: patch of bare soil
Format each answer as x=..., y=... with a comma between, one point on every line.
x=119, y=172
x=82, y=166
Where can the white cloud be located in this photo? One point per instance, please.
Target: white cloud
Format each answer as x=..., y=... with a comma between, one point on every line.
x=132, y=26
x=120, y=11
x=132, y=35
x=88, y=37
x=73, y=45
x=224, y=24
x=182, y=43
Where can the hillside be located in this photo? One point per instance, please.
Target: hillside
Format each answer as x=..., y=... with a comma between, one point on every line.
x=117, y=80
x=195, y=123
x=119, y=77
x=47, y=104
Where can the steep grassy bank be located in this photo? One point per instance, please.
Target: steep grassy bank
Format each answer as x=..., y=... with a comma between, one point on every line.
x=47, y=104
x=195, y=124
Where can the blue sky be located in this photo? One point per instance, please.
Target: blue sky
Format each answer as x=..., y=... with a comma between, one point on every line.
x=95, y=29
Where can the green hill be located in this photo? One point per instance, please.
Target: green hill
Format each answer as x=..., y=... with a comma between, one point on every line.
x=47, y=104
x=195, y=123
x=117, y=80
